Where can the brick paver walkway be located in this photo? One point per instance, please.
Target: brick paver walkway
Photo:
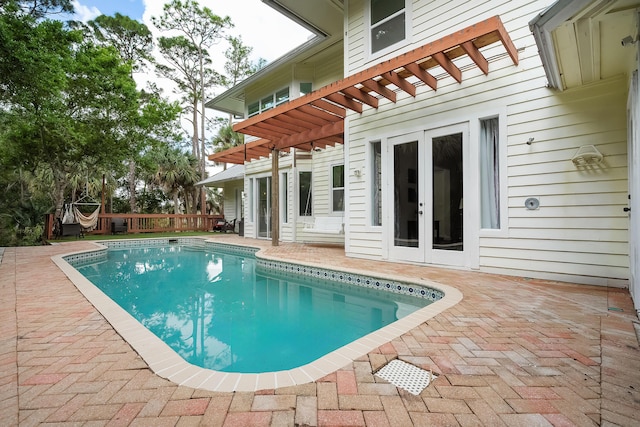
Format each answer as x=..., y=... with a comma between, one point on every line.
x=514, y=352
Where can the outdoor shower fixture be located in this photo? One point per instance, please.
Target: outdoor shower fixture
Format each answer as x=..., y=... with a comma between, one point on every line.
x=628, y=41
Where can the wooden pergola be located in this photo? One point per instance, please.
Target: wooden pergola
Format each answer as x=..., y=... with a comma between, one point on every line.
x=316, y=120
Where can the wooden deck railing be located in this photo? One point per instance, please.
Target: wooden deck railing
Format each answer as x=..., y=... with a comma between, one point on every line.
x=147, y=223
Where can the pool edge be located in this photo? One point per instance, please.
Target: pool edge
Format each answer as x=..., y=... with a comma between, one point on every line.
x=166, y=363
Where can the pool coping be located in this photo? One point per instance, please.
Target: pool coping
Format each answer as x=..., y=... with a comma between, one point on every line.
x=166, y=363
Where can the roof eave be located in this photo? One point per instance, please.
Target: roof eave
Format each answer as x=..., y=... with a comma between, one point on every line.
x=214, y=103
x=542, y=27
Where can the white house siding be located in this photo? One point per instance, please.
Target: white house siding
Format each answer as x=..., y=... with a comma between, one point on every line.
x=230, y=193
x=321, y=198
x=329, y=67
x=321, y=69
x=580, y=232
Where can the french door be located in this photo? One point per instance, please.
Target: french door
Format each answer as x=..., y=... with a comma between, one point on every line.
x=426, y=191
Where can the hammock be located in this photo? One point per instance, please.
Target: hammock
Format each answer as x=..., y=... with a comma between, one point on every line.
x=68, y=218
x=88, y=222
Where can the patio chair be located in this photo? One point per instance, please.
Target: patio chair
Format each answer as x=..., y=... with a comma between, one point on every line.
x=118, y=225
x=224, y=225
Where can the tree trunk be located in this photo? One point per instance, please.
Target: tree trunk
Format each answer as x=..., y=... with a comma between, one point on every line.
x=196, y=149
x=176, y=203
x=58, y=193
x=203, y=164
x=132, y=186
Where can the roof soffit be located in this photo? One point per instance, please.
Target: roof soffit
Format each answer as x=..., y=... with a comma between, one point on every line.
x=580, y=41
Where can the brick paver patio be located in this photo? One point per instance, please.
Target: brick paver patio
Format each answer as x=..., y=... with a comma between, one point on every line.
x=514, y=352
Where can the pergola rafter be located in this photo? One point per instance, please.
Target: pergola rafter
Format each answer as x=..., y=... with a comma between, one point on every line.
x=317, y=119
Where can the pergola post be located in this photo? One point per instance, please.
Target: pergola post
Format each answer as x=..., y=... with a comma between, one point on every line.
x=275, y=193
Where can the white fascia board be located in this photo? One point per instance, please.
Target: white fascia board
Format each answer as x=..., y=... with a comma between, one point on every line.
x=542, y=27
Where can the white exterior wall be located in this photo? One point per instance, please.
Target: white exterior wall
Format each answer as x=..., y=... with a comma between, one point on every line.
x=231, y=192
x=322, y=203
x=580, y=232
x=321, y=69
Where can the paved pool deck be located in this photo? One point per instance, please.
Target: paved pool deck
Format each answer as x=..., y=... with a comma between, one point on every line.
x=513, y=352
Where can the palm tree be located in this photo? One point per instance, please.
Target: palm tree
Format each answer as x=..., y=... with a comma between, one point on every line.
x=225, y=139
x=177, y=173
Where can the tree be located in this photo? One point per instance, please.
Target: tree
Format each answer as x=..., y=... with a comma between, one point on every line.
x=226, y=138
x=203, y=29
x=176, y=172
x=134, y=41
x=36, y=9
x=238, y=66
x=68, y=104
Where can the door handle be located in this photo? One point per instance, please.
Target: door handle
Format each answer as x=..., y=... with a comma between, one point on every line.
x=626, y=209
x=420, y=212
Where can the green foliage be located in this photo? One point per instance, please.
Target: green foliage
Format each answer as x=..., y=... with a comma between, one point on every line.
x=36, y=9
x=238, y=66
x=132, y=39
x=70, y=110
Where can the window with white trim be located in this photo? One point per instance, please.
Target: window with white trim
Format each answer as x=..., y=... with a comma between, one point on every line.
x=304, y=193
x=284, y=197
x=305, y=88
x=489, y=173
x=268, y=102
x=388, y=23
x=337, y=188
x=376, y=183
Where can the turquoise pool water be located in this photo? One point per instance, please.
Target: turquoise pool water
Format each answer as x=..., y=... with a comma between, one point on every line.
x=221, y=311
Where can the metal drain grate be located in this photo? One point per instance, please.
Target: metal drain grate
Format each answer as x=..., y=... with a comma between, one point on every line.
x=406, y=376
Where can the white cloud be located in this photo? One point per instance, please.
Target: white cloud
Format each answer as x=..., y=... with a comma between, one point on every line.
x=269, y=33
x=85, y=13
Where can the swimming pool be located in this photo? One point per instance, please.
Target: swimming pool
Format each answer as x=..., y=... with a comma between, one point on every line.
x=216, y=308
x=167, y=363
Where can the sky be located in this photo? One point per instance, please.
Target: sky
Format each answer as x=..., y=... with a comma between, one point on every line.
x=269, y=33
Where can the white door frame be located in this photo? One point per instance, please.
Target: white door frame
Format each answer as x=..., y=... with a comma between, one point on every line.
x=633, y=154
x=424, y=252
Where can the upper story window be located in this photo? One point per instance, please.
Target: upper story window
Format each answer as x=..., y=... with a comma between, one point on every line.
x=268, y=102
x=388, y=23
x=305, y=88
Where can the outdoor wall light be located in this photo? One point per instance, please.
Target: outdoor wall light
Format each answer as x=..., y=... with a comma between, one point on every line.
x=587, y=155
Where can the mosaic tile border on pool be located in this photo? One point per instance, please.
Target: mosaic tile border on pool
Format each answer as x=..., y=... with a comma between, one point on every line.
x=90, y=256
x=231, y=249
x=149, y=243
x=286, y=268
x=365, y=281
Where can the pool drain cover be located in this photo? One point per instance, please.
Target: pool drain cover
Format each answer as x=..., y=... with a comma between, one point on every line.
x=406, y=376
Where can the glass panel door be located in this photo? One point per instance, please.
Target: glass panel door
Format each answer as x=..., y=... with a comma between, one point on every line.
x=447, y=192
x=447, y=150
x=264, y=207
x=407, y=187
